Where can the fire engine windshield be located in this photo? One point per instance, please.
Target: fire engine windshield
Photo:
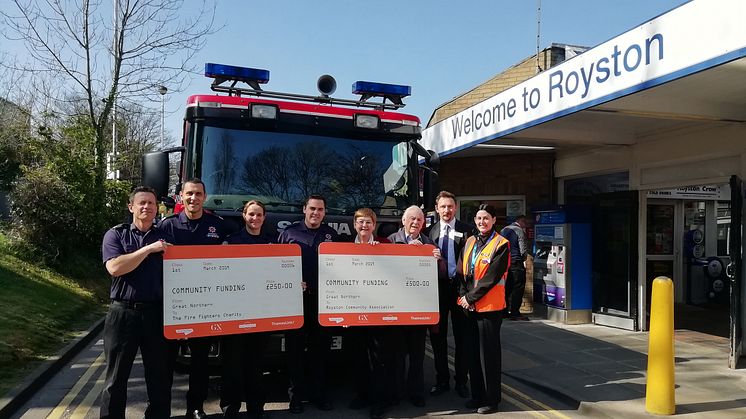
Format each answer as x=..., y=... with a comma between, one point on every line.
x=281, y=169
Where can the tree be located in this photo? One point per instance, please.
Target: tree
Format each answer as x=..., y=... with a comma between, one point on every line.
x=86, y=60
x=51, y=201
x=14, y=130
x=359, y=179
x=138, y=132
x=312, y=167
x=221, y=172
x=267, y=173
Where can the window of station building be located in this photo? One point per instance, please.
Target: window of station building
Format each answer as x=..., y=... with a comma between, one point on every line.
x=694, y=215
x=582, y=190
x=695, y=227
x=660, y=229
x=508, y=208
x=723, y=227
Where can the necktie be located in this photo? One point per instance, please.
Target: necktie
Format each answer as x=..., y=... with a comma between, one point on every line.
x=444, y=247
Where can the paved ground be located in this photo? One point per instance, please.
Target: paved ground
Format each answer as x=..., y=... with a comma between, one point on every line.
x=550, y=371
x=605, y=369
x=73, y=393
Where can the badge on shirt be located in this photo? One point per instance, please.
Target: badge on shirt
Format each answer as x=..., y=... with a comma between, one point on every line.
x=458, y=234
x=212, y=232
x=328, y=237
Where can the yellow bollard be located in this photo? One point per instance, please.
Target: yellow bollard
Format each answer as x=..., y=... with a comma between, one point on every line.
x=660, y=396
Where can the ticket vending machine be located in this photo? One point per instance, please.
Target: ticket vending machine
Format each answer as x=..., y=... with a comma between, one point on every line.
x=562, y=264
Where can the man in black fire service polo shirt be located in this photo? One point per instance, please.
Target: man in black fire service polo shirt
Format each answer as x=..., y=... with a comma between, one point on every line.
x=195, y=226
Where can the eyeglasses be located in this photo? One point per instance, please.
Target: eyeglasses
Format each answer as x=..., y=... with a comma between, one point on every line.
x=363, y=222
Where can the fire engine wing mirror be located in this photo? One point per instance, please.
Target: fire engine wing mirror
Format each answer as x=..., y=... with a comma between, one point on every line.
x=168, y=201
x=156, y=172
x=432, y=159
x=431, y=181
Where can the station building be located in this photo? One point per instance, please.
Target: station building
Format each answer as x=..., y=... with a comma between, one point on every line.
x=628, y=158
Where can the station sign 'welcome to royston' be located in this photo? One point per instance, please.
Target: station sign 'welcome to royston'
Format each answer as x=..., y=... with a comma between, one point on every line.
x=695, y=36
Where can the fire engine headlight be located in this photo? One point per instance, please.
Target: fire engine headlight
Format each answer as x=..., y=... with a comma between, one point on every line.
x=367, y=121
x=263, y=111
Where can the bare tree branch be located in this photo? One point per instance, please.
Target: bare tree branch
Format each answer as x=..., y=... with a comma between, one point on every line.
x=96, y=56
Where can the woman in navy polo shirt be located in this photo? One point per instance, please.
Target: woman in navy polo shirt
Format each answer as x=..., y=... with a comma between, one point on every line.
x=242, y=354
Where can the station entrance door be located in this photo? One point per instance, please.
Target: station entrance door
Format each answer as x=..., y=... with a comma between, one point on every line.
x=687, y=238
x=615, y=258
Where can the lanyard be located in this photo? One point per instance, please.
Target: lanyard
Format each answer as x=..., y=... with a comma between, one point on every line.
x=475, y=252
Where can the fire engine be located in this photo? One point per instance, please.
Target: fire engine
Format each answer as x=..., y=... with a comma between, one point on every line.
x=247, y=143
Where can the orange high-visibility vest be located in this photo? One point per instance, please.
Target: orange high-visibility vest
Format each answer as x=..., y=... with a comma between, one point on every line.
x=494, y=300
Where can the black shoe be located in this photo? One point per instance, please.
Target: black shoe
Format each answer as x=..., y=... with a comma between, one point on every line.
x=295, y=407
x=256, y=414
x=417, y=401
x=519, y=317
x=358, y=403
x=230, y=411
x=439, y=389
x=486, y=410
x=323, y=404
x=377, y=412
x=473, y=404
x=196, y=414
x=462, y=390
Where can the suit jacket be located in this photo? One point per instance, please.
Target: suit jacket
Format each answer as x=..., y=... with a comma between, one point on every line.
x=466, y=231
x=400, y=237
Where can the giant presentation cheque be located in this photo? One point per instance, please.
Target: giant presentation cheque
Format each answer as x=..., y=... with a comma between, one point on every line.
x=374, y=285
x=231, y=289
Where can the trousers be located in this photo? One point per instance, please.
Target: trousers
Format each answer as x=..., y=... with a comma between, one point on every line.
x=485, y=354
x=127, y=328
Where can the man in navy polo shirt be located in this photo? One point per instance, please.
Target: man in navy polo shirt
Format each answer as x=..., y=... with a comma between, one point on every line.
x=133, y=255
x=195, y=226
x=309, y=234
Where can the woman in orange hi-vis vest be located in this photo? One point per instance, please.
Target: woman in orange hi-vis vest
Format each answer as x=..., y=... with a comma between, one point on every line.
x=484, y=264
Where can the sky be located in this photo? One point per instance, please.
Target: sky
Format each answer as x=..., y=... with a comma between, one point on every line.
x=440, y=48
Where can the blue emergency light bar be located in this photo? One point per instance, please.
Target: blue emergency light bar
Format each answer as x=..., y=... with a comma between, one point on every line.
x=225, y=78
x=229, y=72
x=371, y=89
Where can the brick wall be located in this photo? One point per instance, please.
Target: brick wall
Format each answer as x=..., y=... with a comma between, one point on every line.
x=528, y=174
x=503, y=81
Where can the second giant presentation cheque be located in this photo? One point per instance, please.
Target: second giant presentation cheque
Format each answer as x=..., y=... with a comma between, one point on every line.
x=231, y=289
x=382, y=284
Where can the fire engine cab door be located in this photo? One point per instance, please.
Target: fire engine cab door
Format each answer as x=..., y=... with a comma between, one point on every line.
x=735, y=271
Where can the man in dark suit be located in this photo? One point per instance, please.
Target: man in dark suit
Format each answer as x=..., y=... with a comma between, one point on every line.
x=449, y=234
